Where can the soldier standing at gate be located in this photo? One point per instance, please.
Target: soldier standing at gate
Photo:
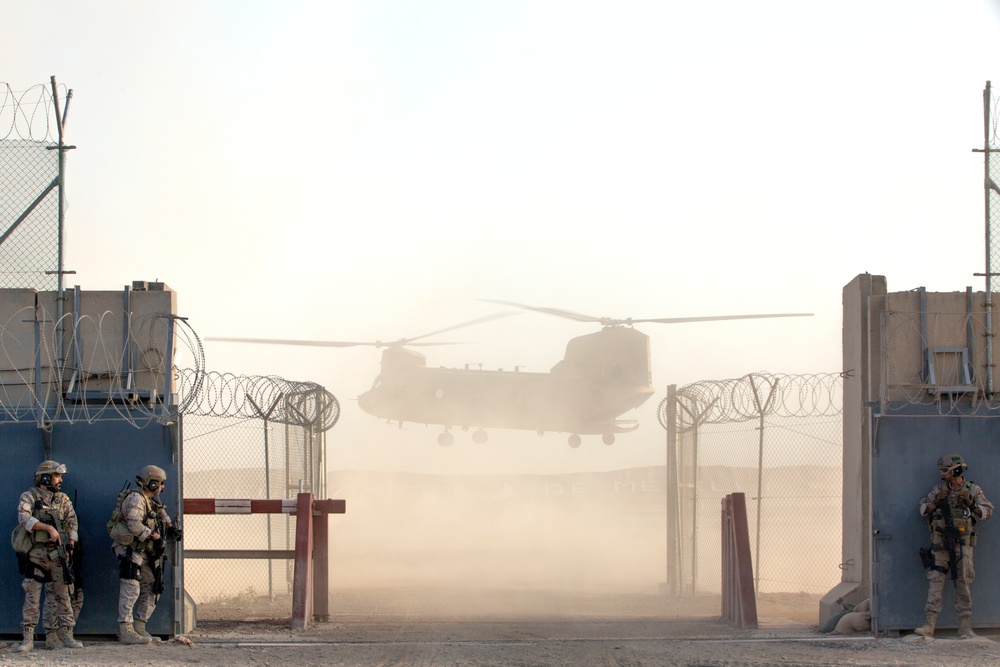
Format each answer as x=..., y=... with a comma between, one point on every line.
x=48, y=516
x=952, y=509
x=139, y=526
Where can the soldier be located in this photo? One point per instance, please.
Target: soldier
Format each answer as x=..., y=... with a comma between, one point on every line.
x=952, y=509
x=48, y=516
x=137, y=527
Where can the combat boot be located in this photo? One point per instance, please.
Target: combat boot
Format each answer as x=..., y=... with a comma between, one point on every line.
x=52, y=641
x=66, y=637
x=29, y=640
x=126, y=635
x=927, y=629
x=140, y=629
x=965, y=627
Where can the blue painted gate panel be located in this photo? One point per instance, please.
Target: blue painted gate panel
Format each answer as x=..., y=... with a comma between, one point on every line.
x=100, y=458
x=907, y=443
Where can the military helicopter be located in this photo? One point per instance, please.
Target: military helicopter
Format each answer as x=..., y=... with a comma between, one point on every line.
x=602, y=376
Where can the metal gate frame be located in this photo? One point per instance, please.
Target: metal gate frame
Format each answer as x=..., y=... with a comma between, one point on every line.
x=906, y=444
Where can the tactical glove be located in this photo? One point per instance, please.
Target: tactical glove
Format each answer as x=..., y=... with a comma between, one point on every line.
x=966, y=497
x=176, y=533
x=941, y=497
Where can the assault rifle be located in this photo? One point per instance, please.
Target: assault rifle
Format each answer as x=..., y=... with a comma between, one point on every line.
x=65, y=559
x=952, y=537
x=158, y=553
x=76, y=599
x=953, y=541
x=65, y=553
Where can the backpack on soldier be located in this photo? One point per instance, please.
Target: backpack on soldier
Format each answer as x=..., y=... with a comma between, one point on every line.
x=20, y=538
x=117, y=528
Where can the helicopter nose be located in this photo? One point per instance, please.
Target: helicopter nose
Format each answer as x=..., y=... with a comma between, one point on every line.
x=365, y=401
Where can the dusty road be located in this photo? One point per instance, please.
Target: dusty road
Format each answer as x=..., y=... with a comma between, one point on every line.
x=424, y=627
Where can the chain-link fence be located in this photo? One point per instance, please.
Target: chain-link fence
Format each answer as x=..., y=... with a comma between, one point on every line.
x=779, y=440
x=257, y=438
x=30, y=180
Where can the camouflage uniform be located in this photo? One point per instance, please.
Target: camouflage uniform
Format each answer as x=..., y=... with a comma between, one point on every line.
x=965, y=523
x=135, y=596
x=40, y=504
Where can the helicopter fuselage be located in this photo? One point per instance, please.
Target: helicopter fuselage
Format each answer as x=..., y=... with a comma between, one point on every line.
x=602, y=376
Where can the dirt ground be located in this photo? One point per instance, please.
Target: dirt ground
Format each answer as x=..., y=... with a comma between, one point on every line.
x=440, y=626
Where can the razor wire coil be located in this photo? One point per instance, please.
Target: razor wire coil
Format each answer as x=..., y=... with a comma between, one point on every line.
x=113, y=368
x=758, y=394
x=259, y=397
x=27, y=114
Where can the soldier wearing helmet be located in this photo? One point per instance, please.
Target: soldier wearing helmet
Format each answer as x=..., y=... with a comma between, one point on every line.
x=952, y=508
x=138, y=527
x=48, y=516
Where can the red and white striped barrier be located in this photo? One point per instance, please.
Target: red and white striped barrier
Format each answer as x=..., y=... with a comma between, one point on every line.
x=311, y=551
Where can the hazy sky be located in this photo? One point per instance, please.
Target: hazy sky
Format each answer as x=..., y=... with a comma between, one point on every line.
x=371, y=170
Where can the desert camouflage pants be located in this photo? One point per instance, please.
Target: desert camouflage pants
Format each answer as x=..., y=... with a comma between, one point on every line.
x=965, y=573
x=58, y=609
x=135, y=598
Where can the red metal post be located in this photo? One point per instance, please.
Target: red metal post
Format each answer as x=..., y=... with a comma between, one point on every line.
x=743, y=562
x=301, y=588
x=727, y=607
x=321, y=565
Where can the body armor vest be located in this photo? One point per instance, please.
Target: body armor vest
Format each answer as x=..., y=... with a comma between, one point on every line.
x=46, y=512
x=953, y=517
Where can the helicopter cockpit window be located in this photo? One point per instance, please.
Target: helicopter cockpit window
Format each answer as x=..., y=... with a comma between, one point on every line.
x=377, y=382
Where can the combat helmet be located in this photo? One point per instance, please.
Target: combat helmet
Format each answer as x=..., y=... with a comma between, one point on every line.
x=952, y=463
x=151, y=478
x=45, y=470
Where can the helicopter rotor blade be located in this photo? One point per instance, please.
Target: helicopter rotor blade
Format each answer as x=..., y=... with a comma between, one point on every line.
x=397, y=343
x=713, y=318
x=610, y=321
x=324, y=343
x=478, y=320
x=550, y=311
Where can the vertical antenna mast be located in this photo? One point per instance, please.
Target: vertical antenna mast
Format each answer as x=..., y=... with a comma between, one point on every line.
x=992, y=192
x=61, y=233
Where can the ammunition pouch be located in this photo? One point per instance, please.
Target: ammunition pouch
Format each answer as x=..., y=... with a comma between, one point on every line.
x=127, y=569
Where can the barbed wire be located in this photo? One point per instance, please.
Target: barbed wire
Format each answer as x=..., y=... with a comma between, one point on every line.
x=28, y=114
x=259, y=397
x=115, y=368
x=994, y=104
x=758, y=394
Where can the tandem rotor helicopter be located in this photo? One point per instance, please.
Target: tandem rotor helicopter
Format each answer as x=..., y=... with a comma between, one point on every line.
x=602, y=376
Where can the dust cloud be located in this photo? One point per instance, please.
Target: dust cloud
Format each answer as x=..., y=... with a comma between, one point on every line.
x=578, y=532
x=585, y=532
x=600, y=534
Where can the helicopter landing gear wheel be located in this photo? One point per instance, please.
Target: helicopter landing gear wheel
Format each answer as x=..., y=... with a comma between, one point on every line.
x=446, y=439
x=574, y=441
x=479, y=437
x=608, y=438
